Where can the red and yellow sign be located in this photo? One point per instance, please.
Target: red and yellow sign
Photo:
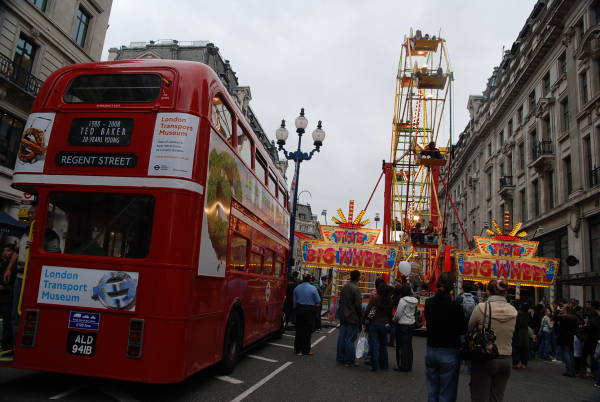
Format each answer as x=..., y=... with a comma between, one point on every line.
x=507, y=257
x=354, y=236
x=367, y=258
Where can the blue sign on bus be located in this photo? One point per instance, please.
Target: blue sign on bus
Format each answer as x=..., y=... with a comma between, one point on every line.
x=83, y=320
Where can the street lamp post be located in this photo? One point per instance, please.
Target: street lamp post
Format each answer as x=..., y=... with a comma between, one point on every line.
x=298, y=157
x=377, y=219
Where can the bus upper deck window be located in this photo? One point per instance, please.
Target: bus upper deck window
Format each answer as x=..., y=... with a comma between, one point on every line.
x=221, y=119
x=101, y=224
x=114, y=88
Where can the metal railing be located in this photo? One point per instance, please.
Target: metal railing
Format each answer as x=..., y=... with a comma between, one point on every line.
x=595, y=176
x=506, y=181
x=19, y=76
x=543, y=148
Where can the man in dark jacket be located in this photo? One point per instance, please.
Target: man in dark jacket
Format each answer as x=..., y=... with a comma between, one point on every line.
x=566, y=325
x=446, y=323
x=349, y=311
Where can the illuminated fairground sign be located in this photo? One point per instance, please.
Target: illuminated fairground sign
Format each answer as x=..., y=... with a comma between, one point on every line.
x=369, y=258
x=506, y=256
x=349, y=246
x=356, y=236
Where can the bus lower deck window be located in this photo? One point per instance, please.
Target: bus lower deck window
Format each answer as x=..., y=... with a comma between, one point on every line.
x=101, y=224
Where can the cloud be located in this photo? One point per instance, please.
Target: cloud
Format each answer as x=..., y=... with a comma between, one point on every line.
x=337, y=59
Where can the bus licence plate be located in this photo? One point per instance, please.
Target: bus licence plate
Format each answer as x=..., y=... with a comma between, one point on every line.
x=81, y=343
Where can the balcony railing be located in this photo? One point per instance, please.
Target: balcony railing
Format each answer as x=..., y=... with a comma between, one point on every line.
x=19, y=76
x=595, y=176
x=506, y=181
x=543, y=148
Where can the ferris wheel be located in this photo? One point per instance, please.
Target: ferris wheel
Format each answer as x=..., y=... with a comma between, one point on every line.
x=413, y=217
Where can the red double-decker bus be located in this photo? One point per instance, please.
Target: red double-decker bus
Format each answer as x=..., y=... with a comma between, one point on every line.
x=162, y=225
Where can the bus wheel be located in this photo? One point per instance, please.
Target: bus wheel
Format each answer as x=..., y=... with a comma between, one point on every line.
x=279, y=333
x=231, y=345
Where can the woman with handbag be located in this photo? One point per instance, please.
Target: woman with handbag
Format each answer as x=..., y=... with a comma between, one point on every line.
x=378, y=315
x=490, y=374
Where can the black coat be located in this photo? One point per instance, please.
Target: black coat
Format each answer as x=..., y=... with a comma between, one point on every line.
x=445, y=321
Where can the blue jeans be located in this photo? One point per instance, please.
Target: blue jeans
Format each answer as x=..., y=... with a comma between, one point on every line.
x=442, y=369
x=569, y=359
x=346, y=350
x=378, y=346
x=545, y=345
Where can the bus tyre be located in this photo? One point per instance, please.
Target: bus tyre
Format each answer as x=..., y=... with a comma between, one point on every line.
x=231, y=345
x=279, y=333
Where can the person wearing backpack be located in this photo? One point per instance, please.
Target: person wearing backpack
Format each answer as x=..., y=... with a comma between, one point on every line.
x=468, y=300
x=489, y=377
x=404, y=319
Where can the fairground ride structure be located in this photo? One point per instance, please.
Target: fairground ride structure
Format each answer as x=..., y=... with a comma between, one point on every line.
x=413, y=216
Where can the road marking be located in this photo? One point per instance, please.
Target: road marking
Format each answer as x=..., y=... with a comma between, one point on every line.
x=263, y=358
x=67, y=392
x=117, y=394
x=259, y=384
x=228, y=379
x=331, y=330
x=317, y=341
x=289, y=336
x=279, y=344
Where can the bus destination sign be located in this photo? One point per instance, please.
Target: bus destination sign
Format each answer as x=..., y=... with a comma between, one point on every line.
x=86, y=159
x=101, y=132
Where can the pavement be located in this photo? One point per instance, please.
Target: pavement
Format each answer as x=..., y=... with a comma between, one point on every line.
x=271, y=372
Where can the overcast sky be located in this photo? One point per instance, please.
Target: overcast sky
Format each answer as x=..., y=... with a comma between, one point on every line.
x=338, y=60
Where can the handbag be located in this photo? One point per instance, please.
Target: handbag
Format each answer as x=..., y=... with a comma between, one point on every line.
x=481, y=339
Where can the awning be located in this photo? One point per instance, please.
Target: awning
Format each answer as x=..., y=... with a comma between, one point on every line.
x=302, y=236
x=10, y=226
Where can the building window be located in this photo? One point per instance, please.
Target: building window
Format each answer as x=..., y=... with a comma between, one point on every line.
x=24, y=55
x=536, y=198
x=532, y=102
x=562, y=64
x=546, y=84
x=80, y=29
x=533, y=144
x=564, y=112
x=10, y=134
x=510, y=129
x=500, y=139
x=550, y=189
x=579, y=30
x=587, y=153
x=489, y=149
x=583, y=88
x=568, y=175
x=489, y=177
x=40, y=4
x=522, y=156
x=520, y=115
x=547, y=128
x=595, y=244
x=523, y=205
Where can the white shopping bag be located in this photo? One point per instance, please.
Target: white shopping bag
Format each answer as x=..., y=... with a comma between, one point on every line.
x=362, y=346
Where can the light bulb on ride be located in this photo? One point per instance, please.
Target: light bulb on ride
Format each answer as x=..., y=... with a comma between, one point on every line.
x=301, y=121
x=282, y=134
x=404, y=268
x=318, y=135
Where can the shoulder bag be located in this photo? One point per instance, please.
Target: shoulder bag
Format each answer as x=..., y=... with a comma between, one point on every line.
x=481, y=340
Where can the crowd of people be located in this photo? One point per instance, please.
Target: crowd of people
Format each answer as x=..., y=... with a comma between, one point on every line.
x=515, y=332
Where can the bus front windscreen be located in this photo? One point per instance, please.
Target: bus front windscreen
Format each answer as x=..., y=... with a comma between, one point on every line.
x=99, y=224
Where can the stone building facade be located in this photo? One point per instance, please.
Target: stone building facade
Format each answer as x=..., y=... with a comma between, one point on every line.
x=36, y=38
x=207, y=53
x=532, y=145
